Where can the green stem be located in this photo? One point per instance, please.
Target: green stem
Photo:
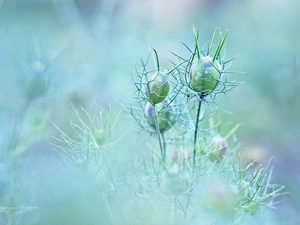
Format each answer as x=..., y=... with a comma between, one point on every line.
x=187, y=204
x=159, y=135
x=175, y=210
x=107, y=166
x=164, y=146
x=194, y=152
x=88, y=150
x=196, y=133
x=109, y=210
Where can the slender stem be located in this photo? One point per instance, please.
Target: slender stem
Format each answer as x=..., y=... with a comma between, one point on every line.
x=88, y=150
x=175, y=210
x=164, y=146
x=187, y=204
x=109, y=210
x=194, y=151
x=196, y=133
x=159, y=135
x=107, y=166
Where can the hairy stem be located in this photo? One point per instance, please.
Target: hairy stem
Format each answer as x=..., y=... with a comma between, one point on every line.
x=108, y=169
x=196, y=133
x=159, y=136
x=175, y=209
x=187, y=205
x=164, y=146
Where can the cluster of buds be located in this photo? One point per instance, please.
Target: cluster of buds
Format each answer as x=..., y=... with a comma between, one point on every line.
x=158, y=111
x=183, y=171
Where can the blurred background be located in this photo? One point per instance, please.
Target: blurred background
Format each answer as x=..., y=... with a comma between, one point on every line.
x=87, y=51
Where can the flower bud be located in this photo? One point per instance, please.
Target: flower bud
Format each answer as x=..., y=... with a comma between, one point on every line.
x=99, y=136
x=157, y=88
x=205, y=75
x=165, y=116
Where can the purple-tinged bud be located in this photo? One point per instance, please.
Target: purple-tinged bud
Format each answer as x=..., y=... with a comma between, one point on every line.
x=157, y=89
x=165, y=116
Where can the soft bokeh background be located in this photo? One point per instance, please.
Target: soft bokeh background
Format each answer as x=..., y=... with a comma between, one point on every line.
x=95, y=44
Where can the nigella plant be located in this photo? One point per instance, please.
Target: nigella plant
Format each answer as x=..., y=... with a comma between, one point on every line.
x=169, y=99
x=204, y=71
x=188, y=171
x=86, y=146
x=199, y=172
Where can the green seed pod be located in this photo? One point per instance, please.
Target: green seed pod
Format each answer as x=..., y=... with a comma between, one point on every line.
x=205, y=75
x=165, y=116
x=99, y=136
x=157, y=88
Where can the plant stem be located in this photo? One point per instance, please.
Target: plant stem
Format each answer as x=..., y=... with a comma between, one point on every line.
x=194, y=150
x=175, y=210
x=159, y=135
x=196, y=133
x=107, y=166
x=109, y=210
x=187, y=205
x=164, y=145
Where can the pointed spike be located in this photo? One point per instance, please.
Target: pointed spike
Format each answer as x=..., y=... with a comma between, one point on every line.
x=196, y=42
x=156, y=59
x=220, y=45
x=212, y=41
